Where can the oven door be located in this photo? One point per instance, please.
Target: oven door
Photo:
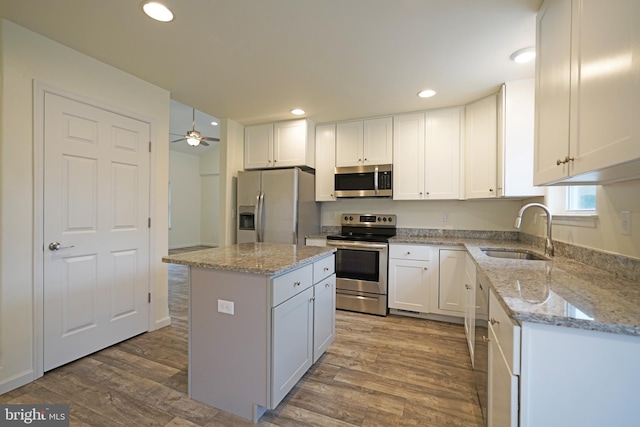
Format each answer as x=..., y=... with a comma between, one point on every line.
x=361, y=266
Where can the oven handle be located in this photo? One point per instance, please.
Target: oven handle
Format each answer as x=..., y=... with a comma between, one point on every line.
x=356, y=245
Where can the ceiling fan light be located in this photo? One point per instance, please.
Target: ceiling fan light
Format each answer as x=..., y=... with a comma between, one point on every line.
x=157, y=11
x=193, y=141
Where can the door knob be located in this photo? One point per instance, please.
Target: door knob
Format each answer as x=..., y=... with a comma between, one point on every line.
x=56, y=246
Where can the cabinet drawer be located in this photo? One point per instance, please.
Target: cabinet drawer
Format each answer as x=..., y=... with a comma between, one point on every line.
x=323, y=268
x=507, y=333
x=415, y=252
x=292, y=283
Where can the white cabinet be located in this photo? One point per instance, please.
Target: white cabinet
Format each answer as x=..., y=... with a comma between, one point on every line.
x=481, y=148
x=587, y=92
x=504, y=367
x=451, y=290
x=470, y=304
x=516, y=106
x=324, y=315
x=325, y=162
x=427, y=155
x=409, y=277
x=364, y=142
x=282, y=144
x=292, y=343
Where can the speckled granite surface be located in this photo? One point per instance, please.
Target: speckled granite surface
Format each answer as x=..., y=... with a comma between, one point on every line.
x=560, y=291
x=267, y=259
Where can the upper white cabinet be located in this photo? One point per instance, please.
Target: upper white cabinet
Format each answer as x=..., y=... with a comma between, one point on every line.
x=481, y=148
x=426, y=155
x=516, y=104
x=279, y=145
x=325, y=162
x=364, y=142
x=587, y=92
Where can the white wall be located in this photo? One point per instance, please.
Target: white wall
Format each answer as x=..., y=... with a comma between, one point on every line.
x=489, y=215
x=24, y=57
x=184, y=175
x=606, y=236
x=210, y=196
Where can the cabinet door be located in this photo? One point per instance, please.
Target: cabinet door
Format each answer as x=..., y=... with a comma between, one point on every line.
x=481, y=148
x=442, y=154
x=324, y=315
x=502, y=388
x=470, y=305
x=515, y=142
x=349, y=144
x=409, y=282
x=606, y=57
x=325, y=162
x=409, y=155
x=258, y=146
x=553, y=76
x=292, y=343
x=451, y=295
x=378, y=141
x=290, y=143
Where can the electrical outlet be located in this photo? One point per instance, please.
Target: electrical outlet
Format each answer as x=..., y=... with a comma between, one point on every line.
x=625, y=221
x=445, y=216
x=226, y=307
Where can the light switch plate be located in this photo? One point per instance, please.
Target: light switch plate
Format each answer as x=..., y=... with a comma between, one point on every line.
x=625, y=222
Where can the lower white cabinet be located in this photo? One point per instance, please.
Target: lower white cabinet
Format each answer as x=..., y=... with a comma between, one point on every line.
x=324, y=318
x=451, y=291
x=427, y=279
x=470, y=304
x=503, y=387
x=292, y=343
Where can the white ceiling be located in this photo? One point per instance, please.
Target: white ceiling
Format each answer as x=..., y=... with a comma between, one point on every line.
x=254, y=60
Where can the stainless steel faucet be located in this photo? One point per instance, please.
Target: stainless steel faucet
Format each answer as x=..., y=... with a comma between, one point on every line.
x=548, y=247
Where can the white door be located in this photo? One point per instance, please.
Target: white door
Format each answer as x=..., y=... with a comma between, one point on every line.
x=96, y=210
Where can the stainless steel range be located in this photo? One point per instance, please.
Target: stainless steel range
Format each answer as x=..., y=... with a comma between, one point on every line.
x=361, y=262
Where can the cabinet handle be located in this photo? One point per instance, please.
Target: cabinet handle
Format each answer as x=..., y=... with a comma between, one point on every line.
x=274, y=161
x=365, y=159
x=491, y=190
x=467, y=286
x=296, y=284
x=408, y=253
x=326, y=269
x=494, y=321
x=485, y=339
x=327, y=285
x=312, y=299
x=359, y=160
x=566, y=160
x=425, y=268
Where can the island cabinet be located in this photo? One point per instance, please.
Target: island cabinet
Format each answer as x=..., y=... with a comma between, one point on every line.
x=426, y=149
x=587, y=92
x=252, y=337
x=278, y=145
x=364, y=142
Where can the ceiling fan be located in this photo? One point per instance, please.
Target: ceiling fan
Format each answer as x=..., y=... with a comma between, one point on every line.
x=194, y=138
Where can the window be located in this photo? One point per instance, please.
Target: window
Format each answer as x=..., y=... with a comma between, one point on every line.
x=580, y=199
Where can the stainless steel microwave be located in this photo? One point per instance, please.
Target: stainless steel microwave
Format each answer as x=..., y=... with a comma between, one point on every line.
x=364, y=181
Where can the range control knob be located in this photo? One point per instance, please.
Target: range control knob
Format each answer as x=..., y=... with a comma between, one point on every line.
x=346, y=218
x=379, y=219
x=350, y=218
x=384, y=219
x=390, y=219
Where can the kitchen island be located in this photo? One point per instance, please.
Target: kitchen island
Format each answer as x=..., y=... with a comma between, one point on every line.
x=260, y=315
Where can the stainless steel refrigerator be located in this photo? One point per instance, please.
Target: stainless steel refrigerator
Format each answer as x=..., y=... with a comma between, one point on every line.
x=277, y=206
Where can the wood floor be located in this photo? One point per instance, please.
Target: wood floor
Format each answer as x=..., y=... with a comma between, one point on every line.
x=381, y=371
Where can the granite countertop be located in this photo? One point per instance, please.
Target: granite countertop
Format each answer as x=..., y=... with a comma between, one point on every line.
x=559, y=291
x=267, y=259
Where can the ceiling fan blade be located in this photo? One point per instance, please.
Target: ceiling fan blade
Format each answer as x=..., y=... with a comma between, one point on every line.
x=203, y=142
x=181, y=139
x=209, y=138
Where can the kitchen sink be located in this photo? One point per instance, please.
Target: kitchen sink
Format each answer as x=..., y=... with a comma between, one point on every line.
x=513, y=254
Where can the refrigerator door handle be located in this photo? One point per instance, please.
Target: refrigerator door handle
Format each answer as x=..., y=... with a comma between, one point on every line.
x=260, y=217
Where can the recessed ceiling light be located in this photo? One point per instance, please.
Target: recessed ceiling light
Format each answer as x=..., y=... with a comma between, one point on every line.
x=157, y=11
x=214, y=123
x=427, y=93
x=298, y=111
x=523, y=55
